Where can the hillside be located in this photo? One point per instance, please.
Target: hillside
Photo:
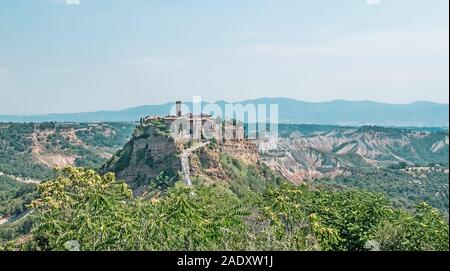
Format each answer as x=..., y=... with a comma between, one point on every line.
x=372, y=158
x=351, y=113
x=33, y=150
x=152, y=159
x=408, y=165
x=30, y=152
x=378, y=159
x=235, y=201
x=306, y=151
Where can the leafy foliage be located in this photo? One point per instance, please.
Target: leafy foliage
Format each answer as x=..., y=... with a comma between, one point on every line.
x=14, y=196
x=83, y=204
x=426, y=229
x=247, y=179
x=99, y=213
x=14, y=200
x=404, y=190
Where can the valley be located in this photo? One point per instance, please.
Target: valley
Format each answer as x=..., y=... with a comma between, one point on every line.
x=406, y=165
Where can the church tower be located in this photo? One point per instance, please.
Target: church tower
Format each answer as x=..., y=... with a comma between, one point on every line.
x=179, y=109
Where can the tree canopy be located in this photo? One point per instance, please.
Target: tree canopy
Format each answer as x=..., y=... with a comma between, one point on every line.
x=83, y=210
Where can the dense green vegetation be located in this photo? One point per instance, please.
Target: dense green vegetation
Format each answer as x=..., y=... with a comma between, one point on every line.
x=15, y=150
x=247, y=179
x=15, y=230
x=115, y=138
x=14, y=200
x=82, y=210
x=14, y=196
x=404, y=190
x=19, y=144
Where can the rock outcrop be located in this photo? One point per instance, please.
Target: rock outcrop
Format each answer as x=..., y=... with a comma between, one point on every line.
x=149, y=152
x=153, y=151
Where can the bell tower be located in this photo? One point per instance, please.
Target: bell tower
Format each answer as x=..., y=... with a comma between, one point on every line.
x=178, y=109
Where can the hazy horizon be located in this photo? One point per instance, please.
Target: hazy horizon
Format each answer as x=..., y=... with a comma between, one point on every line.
x=69, y=56
x=215, y=101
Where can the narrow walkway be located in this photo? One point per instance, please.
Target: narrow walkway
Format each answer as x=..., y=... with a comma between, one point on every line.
x=15, y=218
x=185, y=161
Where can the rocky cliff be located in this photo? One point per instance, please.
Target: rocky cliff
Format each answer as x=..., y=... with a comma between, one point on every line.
x=149, y=153
x=153, y=153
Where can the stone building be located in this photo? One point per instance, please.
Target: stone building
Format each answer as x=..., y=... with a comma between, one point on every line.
x=203, y=126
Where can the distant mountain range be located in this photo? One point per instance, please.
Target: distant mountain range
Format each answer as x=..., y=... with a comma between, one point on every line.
x=336, y=112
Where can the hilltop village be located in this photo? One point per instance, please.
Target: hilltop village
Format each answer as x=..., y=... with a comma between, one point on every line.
x=193, y=145
x=184, y=127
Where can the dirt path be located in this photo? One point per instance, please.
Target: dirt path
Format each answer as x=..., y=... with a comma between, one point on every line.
x=4, y=220
x=15, y=218
x=21, y=179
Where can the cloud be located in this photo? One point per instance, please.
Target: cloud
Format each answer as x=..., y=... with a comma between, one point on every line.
x=72, y=2
x=373, y=2
x=64, y=2
x=371, y=66
x=397, y=44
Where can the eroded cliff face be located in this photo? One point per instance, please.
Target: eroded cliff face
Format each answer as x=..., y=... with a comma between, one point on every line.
x=440, y=145
x=329, y=154
x=149, y=153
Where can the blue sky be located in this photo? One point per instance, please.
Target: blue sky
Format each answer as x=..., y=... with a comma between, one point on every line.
x=86, y=55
